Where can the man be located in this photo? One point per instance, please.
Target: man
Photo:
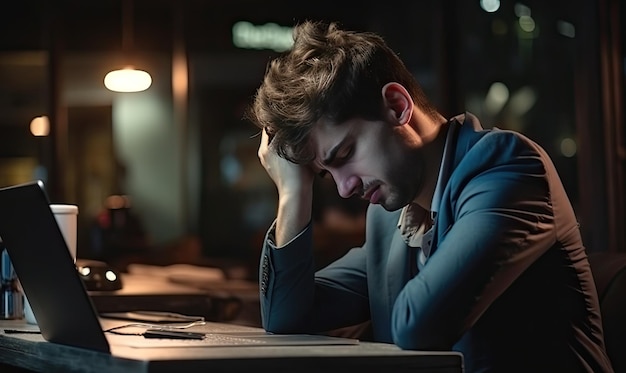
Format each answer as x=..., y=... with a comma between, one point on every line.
x=471, y=242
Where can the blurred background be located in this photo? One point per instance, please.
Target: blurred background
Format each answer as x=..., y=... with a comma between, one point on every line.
x=170, y=174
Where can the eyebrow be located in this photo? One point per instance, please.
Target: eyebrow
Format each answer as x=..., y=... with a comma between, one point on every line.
x=332, y=153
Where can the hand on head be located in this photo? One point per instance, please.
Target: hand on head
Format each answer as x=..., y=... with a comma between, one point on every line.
x=288, y=176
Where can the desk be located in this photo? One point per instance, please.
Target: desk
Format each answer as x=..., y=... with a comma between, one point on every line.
x=32, y=352
x=145, y=292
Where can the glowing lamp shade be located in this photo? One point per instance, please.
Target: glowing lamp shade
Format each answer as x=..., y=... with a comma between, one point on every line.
x=40, y=126
x=127, y=79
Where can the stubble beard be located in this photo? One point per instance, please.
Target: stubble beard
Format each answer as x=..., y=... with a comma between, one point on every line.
x=402, y=189
x=395, y=200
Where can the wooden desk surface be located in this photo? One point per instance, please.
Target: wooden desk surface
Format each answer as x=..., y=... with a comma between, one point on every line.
x=32, y=352
x=148, y=293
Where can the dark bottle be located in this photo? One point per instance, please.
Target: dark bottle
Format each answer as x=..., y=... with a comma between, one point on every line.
x=12, y=301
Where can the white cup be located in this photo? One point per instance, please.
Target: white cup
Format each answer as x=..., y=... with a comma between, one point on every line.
x=67, y=218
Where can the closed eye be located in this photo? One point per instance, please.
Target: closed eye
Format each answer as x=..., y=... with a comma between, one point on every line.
x=338, y=159
x=344, y=154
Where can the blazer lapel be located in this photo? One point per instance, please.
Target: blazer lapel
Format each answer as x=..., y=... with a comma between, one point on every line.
x=467, y=128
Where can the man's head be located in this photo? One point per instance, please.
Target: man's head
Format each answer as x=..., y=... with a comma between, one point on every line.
x=329, y=74
x=343, y=103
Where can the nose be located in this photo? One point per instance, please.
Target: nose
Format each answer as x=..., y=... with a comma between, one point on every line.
x=347, y=186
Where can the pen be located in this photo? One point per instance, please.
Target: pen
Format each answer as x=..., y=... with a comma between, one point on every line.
x=15, y=331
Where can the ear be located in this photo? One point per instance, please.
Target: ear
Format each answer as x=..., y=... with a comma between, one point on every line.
x=398, y=103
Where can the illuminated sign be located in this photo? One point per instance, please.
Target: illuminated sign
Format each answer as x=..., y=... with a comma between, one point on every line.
x=268, y=36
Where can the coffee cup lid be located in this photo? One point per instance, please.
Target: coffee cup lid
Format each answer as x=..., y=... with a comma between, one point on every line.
x=64, y=208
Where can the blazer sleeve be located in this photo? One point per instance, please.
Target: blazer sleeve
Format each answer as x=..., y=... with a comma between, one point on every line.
x=498, y=208
x=296, y=299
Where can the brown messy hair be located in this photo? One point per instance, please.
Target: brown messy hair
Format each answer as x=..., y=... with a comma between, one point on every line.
x=329, y=73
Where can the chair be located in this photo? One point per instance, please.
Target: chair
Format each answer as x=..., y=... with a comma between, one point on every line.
x=609, y=273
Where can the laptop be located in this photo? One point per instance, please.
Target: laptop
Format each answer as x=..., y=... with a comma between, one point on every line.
x=60, y=302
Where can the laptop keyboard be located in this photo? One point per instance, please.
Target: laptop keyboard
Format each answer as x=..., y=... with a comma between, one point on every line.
x=230, y=340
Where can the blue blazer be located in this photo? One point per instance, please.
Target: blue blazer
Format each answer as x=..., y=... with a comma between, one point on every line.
x=507, y=282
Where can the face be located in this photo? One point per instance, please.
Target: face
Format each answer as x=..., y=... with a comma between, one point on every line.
x=375, y=160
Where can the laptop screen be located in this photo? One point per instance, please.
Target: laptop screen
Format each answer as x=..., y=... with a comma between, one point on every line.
x=46, y=270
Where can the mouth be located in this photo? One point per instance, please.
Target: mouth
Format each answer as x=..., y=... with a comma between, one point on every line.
x=372, y=194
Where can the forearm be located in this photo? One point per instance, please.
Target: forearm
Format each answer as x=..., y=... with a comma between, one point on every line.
x=294, y=213
x=286, y=282
x=293, y=300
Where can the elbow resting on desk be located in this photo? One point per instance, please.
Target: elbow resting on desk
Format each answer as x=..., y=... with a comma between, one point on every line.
x=408, y=334
x=415, y=326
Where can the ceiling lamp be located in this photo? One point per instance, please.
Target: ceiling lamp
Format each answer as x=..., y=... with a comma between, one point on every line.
x=127, y=79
